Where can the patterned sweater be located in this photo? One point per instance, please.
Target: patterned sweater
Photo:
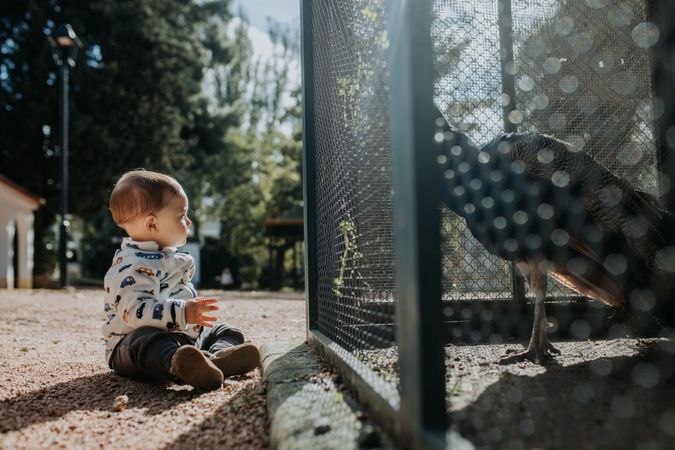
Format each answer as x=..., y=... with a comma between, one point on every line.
x=146, y=286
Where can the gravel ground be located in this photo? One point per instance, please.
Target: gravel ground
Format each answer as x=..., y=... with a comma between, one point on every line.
x=57, y=392
x=603, y=394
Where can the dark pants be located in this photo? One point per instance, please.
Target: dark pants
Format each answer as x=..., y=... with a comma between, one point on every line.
x=146, y=352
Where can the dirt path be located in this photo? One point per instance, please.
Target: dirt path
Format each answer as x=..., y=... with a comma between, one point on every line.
x=605, y=394
x=57, y=392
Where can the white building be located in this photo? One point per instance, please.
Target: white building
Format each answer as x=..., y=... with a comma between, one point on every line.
x=16, y=234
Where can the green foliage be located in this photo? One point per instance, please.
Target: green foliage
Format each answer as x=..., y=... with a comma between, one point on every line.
x=101, y=238
x=260, y=179
x=136, y=98
x=350, y=253
x=166, y=85
x=133, y=94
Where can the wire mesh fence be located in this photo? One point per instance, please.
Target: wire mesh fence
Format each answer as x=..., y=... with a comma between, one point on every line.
x=354, y=232
x=579, y=75
x=577, y=70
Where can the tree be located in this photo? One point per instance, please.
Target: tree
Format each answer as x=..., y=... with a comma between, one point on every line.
x=136, y=96
x=263, y=168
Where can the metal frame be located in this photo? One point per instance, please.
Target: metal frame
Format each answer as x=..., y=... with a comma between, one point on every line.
x=416, y=225
x=662, y=13
x=663, y=77
x=420, y=419
x=309, y=163
x=382, y=398
x=505, y=22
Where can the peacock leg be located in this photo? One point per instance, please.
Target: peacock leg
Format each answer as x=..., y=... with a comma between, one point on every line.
x=539, y=349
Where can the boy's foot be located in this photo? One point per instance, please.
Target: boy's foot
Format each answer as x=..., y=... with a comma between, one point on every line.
x=195, y=369
x=237, y=360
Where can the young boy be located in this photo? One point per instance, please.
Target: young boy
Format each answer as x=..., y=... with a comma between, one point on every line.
x=156, y=327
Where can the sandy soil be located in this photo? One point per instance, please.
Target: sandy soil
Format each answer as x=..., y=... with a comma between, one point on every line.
x=602, y=394
x=57, y=392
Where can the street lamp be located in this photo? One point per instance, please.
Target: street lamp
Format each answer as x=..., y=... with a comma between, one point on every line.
x=65, y=44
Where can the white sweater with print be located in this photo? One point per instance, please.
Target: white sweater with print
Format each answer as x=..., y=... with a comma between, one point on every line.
x=146, y=287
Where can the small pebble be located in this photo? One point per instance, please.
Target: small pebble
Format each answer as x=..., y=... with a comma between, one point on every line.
x=120, y=403
x=321, y=429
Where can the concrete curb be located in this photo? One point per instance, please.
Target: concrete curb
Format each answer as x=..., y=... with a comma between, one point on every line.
x=307, y=410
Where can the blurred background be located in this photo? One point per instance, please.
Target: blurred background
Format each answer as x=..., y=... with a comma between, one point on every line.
x=207, y=91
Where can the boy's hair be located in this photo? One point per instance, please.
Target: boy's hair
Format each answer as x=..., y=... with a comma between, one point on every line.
x=139, y=192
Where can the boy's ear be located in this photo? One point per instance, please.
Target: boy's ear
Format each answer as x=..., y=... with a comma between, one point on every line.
x=150, y=223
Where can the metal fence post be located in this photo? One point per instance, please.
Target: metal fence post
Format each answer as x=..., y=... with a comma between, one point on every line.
x=505, y=21
x=662, y=14
x=663, y=77
x=308, y=163
x=416, y=226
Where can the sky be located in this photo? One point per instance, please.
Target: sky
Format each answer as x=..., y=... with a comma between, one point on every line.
x=285, y=11
x=256, y=13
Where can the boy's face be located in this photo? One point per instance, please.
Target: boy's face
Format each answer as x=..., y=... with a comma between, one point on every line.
x=172, y=223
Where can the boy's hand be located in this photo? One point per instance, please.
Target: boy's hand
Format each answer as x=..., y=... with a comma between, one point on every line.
x=197, y=308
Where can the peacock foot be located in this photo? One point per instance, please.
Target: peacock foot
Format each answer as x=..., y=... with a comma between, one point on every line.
x=538, y=354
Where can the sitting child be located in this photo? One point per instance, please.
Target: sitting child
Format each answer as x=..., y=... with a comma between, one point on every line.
x=156, y=327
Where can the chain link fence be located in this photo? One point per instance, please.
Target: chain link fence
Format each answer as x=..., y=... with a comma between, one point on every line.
x=354, y=231
x=580, y=71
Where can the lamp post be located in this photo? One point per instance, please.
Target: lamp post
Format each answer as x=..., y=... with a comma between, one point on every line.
x=65, y=44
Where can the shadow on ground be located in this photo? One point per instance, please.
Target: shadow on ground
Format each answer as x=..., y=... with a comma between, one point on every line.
x=95, y=392
x=230, y=426
x=623, y=402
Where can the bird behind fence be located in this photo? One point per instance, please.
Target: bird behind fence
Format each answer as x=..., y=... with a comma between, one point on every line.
x=552, y=209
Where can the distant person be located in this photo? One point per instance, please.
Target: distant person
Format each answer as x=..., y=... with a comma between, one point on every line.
x=156, y=327
x=226, y=278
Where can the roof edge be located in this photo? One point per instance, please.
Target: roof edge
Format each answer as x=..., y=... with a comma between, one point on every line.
x=38, y=201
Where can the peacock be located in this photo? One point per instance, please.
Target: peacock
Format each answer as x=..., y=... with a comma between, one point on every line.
x=552, y=209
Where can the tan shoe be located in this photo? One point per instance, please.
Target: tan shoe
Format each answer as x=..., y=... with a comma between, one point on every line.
x=237, y=360
x=191, y=366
